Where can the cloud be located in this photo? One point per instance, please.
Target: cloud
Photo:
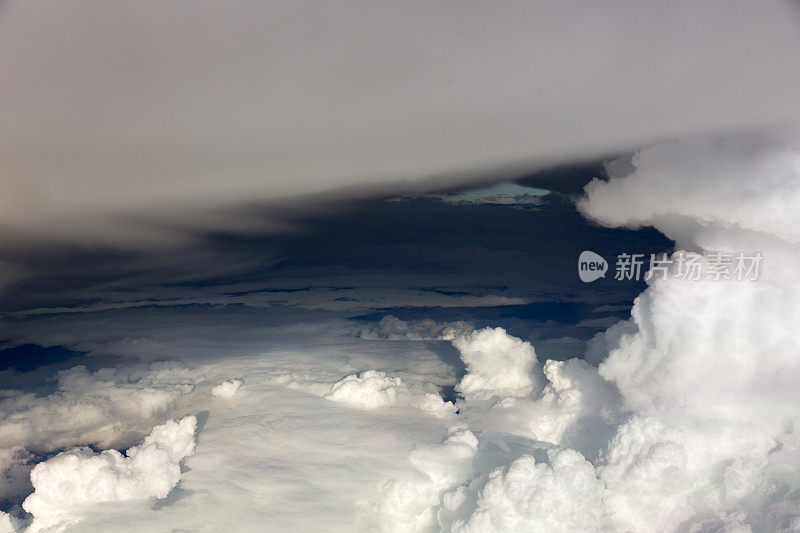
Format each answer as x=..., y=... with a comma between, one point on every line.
x=562, y=496
x=576, y=407
x=368, y=390
x=392, y=328
x=201, y=107
x=106, y=408
x=410, y=504
x=564, y=492
x=721, y=347
x=70, y=481
x=708, y=367
x=227, y=389
x=374, y=389
x=313, y=298
x=660, y=474
x=741, y=184
x=487, y=350
x=6, y=523
x=374, y=459
x=699, y=433
x=281, y=443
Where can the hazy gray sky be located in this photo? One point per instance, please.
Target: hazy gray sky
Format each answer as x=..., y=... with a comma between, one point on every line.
x=125, y=106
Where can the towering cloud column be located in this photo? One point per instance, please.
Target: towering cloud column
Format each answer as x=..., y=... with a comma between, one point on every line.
x=708, y=368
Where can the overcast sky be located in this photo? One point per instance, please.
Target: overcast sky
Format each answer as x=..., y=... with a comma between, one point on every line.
x=145, y=106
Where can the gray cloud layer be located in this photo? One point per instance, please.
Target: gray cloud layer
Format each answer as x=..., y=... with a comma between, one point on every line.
x=156, y=107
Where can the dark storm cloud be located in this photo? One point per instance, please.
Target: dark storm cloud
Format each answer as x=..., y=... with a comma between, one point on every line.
x=153, y=109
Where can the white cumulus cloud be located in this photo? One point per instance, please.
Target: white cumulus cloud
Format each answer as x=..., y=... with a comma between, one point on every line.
x=562, y=496
x=66, y=484
x=227, y=389
x=497, y=364
x=368, y=390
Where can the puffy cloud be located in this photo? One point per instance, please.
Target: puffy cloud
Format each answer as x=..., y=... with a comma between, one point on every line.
x=709, y=368
x=661, y=474
x=571, y=408
x=711, y=347
x=576, y=407
x=227, y=389
x=105, y=408
x=65, y=485
x=682, y=186
x=498, y=365
x=434, y=405
x=373, y=389
x=562, y=496
x=409, y=504
x=369, y=390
